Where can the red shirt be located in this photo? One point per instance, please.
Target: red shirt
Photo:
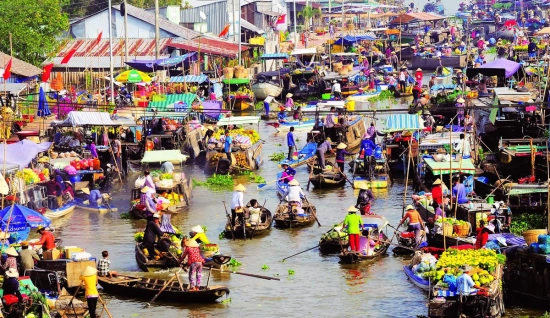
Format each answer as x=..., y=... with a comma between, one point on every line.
x=193, y=255
x=47, y=241
x=482, y=237
x=437, y=194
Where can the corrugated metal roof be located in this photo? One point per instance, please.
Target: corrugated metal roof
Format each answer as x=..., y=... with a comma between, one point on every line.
x=218, y=48
x=215, y=11
x=414, y=17
x=189, y=79
x=19, y=67
x=76, y=118
x=96, y=62
x=89, y=48
x=221, y=43
x=247, y=25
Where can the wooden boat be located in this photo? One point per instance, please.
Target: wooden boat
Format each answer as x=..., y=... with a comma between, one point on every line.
x=102, y=208
x=380, y=178
x=147, y=288
x=60, y=212
x=420, y=282
x=327, y=179
x=348, y=257
x=309, y=152
x=167, y=261
x=263, y=89
x=364, y=97
x=455, y=61
x=284, y=219
x=333, y=241
x=251, y=230
x=298, y=125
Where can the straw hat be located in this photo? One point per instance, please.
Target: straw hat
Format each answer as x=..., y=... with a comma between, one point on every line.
x=24, y=243
x=4, y=235
x=40, y=228
x=12, y=252
x=392, y=53
x=86, y=190
x=409, y=207
x=294, y=182
x=459, y=71
x=12, y=272
x=197, y=229
x=352, y=209
x=460, y=100
x=43, y=159
x=239, y=187
x=419, y=69
x=191, y=243
x=437, y=182
x=145, y=189
x=89, y=271
x=328, y=139
x=156, y=216
x=363, y=187
x=289, y=95
x=490, y=227
x=342, y=146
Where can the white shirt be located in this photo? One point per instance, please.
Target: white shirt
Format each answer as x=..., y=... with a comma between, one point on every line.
x=294, y=193
x=438, y=53
x=269, y=99
x=237, y=200
x=402, y=76
x=463, y=147
x=336, y=87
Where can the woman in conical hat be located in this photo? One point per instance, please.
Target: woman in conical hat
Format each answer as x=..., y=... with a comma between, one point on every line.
x=89, y=279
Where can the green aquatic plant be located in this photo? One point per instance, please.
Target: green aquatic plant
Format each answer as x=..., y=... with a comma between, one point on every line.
x=215, y=181
x=234, y=262
x=265, y=267
x=384, y=95
x=291, y=272
x=277, y=157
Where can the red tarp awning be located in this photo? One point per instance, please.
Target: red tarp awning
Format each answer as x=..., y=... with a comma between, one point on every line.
x=415, y=17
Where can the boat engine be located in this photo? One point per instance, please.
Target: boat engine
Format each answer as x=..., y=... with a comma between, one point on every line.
x=406, y=239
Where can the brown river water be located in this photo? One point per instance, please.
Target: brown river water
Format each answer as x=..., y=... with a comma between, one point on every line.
x=319, y=287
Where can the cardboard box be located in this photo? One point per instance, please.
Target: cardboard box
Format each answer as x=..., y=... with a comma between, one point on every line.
x=70, y=251
x=52, y=255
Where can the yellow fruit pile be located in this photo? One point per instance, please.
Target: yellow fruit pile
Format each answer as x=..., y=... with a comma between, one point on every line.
x=241, y=160
x=215, y=158
x=250, y=133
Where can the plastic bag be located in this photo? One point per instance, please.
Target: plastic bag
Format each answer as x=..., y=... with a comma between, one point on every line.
x=140, y=182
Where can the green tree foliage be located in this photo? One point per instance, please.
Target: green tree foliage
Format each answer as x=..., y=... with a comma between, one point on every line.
x=81, y=8
x=34, y=26
x=309, y=12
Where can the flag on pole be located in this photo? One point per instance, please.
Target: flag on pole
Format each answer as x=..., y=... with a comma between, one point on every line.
x=98, y=38
x=280, y=24
x=67, y=57
x=224, y=31
x=7, y=70
x=46, y=73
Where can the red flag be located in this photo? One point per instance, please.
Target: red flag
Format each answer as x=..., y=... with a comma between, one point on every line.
x=67, y=57
x=281, y=19
x=98, y=38
x=46, y=72
x=224, y=31
x=7, y=71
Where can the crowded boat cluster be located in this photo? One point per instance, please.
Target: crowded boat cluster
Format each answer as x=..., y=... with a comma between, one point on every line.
x=454, y=107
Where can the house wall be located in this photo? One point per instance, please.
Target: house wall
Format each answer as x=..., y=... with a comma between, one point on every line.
x=216, y=16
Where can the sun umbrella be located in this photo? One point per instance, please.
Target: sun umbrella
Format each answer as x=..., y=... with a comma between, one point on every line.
x=510, y=23
x=43, y=108
x=21, y=218
x=133, y=76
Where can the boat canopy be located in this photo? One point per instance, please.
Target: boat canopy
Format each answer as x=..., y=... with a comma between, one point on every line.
x=274, y=56
x=311, y=50
x=189, y=79
x=521, y=189
x=236, y=80
x=239, y=120
x=379, y=220
x=77, y=119
x=500, y=67
x=163, y=156
x=439, y=168
x=21, y=153
x=350, y=39
x=415, y=17
x=332, y=103
x=400, y=122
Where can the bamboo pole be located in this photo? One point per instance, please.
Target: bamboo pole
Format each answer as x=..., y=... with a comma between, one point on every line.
x=409, y=156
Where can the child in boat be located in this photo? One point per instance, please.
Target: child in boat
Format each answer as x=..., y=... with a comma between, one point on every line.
x=288, y=173
x=103, y=266
x=255, y=212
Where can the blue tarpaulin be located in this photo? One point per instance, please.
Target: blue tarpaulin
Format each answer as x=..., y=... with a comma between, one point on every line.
x=166, y=63
x=189, y=79
x=349, y=39
x=403, y=122
x=21, y=218
x=274, y=56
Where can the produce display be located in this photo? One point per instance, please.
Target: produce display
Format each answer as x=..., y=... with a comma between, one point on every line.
x=242, y=91
x=215, y=158
x=483, y=261
x=252, y=134
x=31, y=176
x=448, y=98
x=241, y=160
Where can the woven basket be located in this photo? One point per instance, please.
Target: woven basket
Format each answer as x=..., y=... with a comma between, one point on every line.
x=462, y=230
x=447, y=229
x=228, y=72
x=532, y=236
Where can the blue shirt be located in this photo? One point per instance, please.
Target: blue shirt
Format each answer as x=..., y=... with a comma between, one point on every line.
x=369, y=147
x=324, y=147
x=228, y=142
x=459, y=191
x=451, y=281
x=94, y=196
x=464, y=284
x=290, y=139
x=290, y=171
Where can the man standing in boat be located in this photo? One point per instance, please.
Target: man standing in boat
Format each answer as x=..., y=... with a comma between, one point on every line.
x=47, y=240
x=227, y=146
x=364, y=199
x=291, y=143
x=322, y=149
x=237, y=204
x=354, y=223
x=152, y=232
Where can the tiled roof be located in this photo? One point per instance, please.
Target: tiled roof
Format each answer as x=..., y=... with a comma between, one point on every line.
x=19, y=67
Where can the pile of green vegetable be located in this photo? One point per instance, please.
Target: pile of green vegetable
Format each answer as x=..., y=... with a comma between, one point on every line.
x=527, y=221
x=216, y=181
x=449, y=98
x=277, y=157
x=384, y=95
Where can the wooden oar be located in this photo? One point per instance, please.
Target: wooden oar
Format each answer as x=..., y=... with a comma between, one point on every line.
x=344, y=175
x=258, y=221
x=313, y=211
x=164, y=287
x=104, y=306
x=241, y=273
x=261, y=185
x=309, y=249
x=229, y=220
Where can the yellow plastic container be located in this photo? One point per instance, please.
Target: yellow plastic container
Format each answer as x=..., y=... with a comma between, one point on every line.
x=350, y=104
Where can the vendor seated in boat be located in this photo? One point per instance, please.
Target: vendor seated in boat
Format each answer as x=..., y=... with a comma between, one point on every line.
x=68, y=193
x=94, y=196
x=294, y=195
x=197, y=234
x=255, y=212
x=288, y=173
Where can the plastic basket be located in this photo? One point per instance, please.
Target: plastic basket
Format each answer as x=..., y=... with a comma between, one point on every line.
x=532, y=236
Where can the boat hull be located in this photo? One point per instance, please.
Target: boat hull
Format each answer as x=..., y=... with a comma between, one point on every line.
x=421, y=283
x=147, y=288
x=97, y=208
x=381, y=183
x=251, y=230
x=285, y=220
x=321, y=181
x=347, y=257
x=433, y=63
x=262, y=90
x=61, y=212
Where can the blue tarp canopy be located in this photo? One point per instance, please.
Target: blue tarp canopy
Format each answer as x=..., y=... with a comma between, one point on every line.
x=349, y=39
x=21, y=218
x=274, y=56
x=403, y=122
x=189, y=79
x=166, y=63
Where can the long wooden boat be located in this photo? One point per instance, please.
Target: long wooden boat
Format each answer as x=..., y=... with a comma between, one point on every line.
x=168, y=261
x=347, y=257
x=420, y=282
x=309, y=152
x=246, y=159
x=284, y=219
x=147, y=288
x=334, y=240
x=298, y=125
x=60, y=212
x=263, y=89
x=457, y=61
x=85, y=205
x=251, y=230
x=327, y=179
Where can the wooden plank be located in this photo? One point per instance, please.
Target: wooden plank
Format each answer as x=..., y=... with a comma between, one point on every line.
x=74, y=269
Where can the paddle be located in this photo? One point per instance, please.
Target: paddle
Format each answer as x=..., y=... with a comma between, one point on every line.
x=312, y=210
x=163, y=288
x=261, y=185
x=258, y=221
x=344, y=175
x=309, y=249
x=229, y=220
x=310, y=175
x=241, y=273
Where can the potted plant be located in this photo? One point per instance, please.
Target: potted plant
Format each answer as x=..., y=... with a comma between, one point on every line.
x=27, y=112
x=20, y=121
